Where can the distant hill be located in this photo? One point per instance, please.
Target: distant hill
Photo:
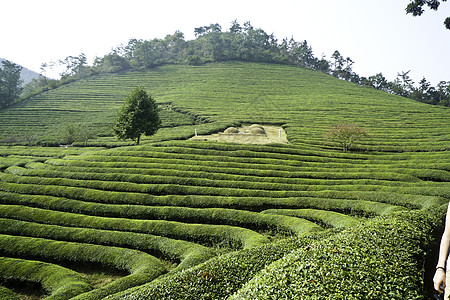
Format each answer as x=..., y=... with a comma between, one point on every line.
x=304, y=101
x=26, y=75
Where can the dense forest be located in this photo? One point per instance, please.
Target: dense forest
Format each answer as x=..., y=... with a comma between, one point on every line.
x=239, y=42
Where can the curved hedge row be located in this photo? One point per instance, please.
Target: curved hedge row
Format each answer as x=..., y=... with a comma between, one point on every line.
x=326, y=217
x=387, y=263
x=238, y=174
x=141, y=266
x=221, y=276
x=157, y=184
x=61, y=283
x=6, y=293
x=18, y=194
x=215, y=179
x=100, y=190
x=186, y=253
x=234, y=237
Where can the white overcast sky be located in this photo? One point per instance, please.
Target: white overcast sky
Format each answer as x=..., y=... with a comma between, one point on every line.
x=376, y=34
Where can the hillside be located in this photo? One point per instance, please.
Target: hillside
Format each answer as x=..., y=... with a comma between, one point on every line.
x=305, y=102
x=192, y=219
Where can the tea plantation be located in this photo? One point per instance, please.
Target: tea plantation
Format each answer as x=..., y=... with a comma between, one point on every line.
x=181, y=219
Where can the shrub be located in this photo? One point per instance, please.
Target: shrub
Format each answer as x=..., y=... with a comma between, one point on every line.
x=380, y=259
x=6, y=293
x=230, y=236
x=188, y=254
x=345, y=135
x=61, y=283
x=219, y=277
x=143, y=267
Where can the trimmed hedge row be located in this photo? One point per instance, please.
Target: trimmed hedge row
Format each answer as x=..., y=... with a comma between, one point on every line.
x=239, y=156
x=322, y=217
x=78, y=188
x=186, y=253
x=217, y=173
x=375, y=171
x=230, y=236
x=140, y=182
x=6, y=293
x=300, y=150
x=17, y=194
x=61, y=283
x=303, y=150
x=42, y=151
x=380, y=259
x=141, y=266
x=220, y=276
x=163, y=185
x=213, y=179
x=246, y=219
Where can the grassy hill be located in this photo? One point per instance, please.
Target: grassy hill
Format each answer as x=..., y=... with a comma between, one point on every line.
x=177, y=219
x=305, y=102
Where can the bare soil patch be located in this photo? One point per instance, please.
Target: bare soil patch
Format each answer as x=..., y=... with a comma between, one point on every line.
x=248, y=134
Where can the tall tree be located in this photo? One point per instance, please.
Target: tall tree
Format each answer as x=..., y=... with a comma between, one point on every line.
x=138, y=116
x=10, y=83
x=415, y=7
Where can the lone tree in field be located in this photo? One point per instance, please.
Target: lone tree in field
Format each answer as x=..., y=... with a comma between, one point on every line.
x=138, y=116
x=345, y=135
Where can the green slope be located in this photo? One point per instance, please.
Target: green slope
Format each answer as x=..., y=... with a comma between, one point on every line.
x=306, y=102
x=210, y=220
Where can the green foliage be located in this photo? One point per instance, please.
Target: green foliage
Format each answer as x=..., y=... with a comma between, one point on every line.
x=138, y=116
x=10, y=83
x=60, y=283
x=227, y=236
x=186, y=254
x=381, y=259
x=219, y=277
x=186, y=201
x=229, y=94
x=143, y=267
x=6, y=293
x=328, y=218
x=415, y=7
x=345, y=135
x=73, y=133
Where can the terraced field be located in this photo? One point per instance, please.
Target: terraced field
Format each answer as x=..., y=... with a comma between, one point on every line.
x=179, y=219
x=152, y=210
x=305, y=102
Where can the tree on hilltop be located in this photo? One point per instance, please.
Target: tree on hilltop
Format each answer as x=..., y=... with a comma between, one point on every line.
x=138, y=116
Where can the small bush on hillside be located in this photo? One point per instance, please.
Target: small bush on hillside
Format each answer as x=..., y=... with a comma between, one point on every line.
x=345, y=135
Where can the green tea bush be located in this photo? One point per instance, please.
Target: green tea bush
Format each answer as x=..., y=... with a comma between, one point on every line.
x=325, y=217
x=60, y=283
x=230, y=236
x=186, y=254
x=219, y=277
x=82, y=190
x=6, y=293
x=380, y=259
x=141, y=266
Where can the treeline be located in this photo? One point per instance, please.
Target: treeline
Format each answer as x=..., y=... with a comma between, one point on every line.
x=10, y=83
x=239, y=42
